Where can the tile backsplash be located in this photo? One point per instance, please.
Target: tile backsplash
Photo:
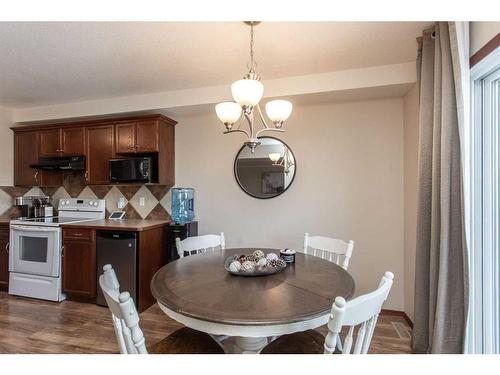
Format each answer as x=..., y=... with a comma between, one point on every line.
x=156, y=202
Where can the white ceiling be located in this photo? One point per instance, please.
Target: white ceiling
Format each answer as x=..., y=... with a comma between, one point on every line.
x=50, y=63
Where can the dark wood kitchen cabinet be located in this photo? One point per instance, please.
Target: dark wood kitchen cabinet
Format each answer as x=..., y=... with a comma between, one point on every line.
x=137, y=137
x=100, y=148
x=73, y=141
x=50, y=142
x=4, y=256
x=79, y=264
x=62, y=142
x=125, y=138
x=98, y=141
x=26, y=153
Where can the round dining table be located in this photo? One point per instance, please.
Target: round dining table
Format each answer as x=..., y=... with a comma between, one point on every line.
x=199, y=293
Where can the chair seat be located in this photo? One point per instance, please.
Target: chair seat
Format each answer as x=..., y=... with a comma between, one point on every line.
x=186, y=341
x=306, y=342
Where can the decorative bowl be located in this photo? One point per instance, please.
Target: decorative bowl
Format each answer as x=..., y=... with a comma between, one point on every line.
x=256, y=271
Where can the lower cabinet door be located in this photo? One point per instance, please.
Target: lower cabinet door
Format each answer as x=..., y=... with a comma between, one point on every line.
x=79, y=269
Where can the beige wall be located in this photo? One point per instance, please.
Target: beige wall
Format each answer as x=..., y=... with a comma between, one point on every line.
x=411, y=129
x=481, y=33
x=349, y=185
x=6, y=147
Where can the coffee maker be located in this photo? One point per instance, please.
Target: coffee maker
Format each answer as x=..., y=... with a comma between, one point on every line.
x=32, y=206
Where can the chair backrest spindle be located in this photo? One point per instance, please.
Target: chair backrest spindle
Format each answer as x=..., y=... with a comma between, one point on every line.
x=200, y=244
x=330, y=249
x=362, y=311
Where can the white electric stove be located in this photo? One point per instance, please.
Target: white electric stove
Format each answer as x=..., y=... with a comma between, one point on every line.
x=36, y=248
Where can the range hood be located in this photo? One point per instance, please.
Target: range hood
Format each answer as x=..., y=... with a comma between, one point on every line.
x=69, y=163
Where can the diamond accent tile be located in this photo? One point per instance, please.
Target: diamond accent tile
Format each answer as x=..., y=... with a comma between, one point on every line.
x=6, y=202
x=129, y=190
x=34, y=192
x=149, y=202
x=159, y=213
x=100, y=190
x=112, y=198
x=87, y=193
x=74, y=183
x=166, y=202
x=158, y=191
x=130, y=212
x=60, y=193
x=14, y=191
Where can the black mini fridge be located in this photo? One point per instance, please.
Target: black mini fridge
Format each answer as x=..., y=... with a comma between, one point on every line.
x=120, y=250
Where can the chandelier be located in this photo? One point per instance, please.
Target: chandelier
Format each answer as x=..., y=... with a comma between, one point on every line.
x=285, y=160
x=247, y=93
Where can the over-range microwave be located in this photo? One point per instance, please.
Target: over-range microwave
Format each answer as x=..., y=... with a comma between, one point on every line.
x=140, y=169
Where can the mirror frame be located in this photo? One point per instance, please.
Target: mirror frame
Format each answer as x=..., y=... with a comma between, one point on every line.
x=284, y=190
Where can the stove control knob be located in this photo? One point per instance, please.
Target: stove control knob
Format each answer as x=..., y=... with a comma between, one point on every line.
x=63, y=203
x=91, y=203
x=67, y=201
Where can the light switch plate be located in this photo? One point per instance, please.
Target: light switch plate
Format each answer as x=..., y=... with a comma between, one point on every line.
x=142, y=201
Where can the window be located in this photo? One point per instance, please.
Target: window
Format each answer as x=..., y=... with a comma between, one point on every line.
x=483, y=334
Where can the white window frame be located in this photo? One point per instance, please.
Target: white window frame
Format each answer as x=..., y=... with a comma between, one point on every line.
x=483, y=331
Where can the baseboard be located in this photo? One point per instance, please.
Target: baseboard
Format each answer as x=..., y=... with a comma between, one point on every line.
x=397, y=313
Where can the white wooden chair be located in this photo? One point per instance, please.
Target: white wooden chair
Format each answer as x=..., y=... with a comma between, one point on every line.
x=336, y=251
x=200, y=244
x=129, y=334
x=362, y=311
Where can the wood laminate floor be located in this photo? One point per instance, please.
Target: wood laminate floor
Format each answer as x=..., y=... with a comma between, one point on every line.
x=34, y=326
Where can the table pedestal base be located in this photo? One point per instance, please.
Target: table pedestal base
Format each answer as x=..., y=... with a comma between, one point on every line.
x=244, y=345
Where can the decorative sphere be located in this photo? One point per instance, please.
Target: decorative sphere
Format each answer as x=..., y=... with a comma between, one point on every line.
x=247, y=266
x=235, y=266
x=271, y=256
x=262, y=262
x=277, y=263
x=258, y=254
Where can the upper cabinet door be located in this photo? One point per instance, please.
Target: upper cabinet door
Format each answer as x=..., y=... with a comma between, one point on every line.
x=73, y=141
x=125, y=138
x=100, y=144
x=50, y=142
x=146, y=136
x=25, y=154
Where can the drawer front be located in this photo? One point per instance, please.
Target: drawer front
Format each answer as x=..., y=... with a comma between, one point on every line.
x=78, y=234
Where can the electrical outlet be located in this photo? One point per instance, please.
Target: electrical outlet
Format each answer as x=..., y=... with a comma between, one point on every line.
x=121, y=203
x=142, y=201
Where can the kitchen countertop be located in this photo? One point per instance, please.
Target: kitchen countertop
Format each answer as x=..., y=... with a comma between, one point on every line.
x=135, y=225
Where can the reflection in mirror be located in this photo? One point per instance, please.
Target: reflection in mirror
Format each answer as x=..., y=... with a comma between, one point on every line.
x=267, y=172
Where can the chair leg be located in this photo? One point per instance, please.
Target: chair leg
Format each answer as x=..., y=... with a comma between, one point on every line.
x=339, y=344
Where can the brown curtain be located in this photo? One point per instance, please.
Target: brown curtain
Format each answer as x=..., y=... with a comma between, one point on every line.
x=441, y=280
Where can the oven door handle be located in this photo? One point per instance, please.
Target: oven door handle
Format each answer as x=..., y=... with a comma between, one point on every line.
x=34, y=228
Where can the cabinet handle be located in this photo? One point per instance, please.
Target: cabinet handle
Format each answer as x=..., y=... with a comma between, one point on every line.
x=77, y=234
x=36, y=176
x=137, y=146
x=62, y=251
x=87, y=176
x=7, y=246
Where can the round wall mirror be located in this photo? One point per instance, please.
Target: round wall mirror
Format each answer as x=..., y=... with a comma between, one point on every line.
x=267, y=172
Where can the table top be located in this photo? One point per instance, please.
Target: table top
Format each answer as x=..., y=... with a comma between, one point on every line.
x=198, y=286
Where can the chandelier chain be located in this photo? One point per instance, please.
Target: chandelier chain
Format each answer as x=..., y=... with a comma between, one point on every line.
x=251, y=48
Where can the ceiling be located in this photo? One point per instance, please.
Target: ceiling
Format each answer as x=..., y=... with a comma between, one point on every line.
x=51, y=63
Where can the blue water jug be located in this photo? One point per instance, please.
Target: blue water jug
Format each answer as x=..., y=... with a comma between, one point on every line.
x=182, y=205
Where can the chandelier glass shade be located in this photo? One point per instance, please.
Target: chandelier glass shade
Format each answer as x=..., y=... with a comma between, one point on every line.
x=247, y=93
